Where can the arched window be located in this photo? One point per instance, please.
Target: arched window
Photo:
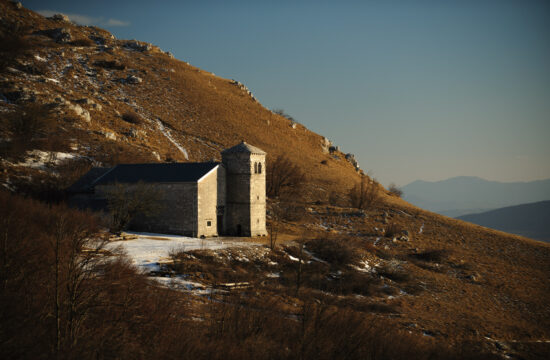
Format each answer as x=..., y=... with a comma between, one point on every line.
x=255, y=168
x=259, y=168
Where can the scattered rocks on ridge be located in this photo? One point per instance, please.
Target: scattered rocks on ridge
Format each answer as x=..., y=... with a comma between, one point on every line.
x=59, y=35
x=17, y=4
x=137, y=45
x=60, y=17
x=325, y=145
x=351, y=158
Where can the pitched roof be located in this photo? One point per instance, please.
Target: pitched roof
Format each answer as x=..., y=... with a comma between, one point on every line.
x=157, y=173
x=85, y=183
x=244, y=147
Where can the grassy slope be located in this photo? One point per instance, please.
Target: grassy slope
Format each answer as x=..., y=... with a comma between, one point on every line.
x=206, y=113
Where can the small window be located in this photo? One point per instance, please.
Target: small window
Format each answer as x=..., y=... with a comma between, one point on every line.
x=255, y=168
x=259, y=168
x=209, y=223
x=257, y=197
x=257, y=221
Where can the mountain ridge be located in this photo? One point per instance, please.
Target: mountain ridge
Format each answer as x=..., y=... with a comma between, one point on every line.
x=459, y=195
x=125, y=101
x=530, y=220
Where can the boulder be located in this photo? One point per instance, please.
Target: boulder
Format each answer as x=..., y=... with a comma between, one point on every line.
x=60, y=17
x=325, y=144
x=59, y=35
x=137, y=45
x=17, y=4
x=132, y=79
x=79, y=111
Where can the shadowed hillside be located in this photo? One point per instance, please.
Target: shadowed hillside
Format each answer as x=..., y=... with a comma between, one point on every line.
x=529, y=220
x=73, y=97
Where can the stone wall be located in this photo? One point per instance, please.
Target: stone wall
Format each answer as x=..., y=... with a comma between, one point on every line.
x=178, y=214
x=211, y=196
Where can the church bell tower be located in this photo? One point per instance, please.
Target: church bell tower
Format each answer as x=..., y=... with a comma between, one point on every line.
x=245, y=209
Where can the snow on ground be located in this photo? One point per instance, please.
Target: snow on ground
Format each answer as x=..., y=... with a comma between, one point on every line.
x=168, y=135
x=37, y=159
x=149, y=249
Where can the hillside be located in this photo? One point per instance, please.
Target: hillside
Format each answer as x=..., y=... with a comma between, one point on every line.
x=529, y=220
x=72, y=97
x=466, y=194
x=90, y=80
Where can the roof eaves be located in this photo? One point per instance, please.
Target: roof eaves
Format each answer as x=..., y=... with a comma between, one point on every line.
x=205, y=175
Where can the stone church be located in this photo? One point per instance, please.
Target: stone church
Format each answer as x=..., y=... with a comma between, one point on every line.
x=198, y=199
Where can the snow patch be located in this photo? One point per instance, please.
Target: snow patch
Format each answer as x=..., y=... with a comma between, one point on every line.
x=37, y=159
x=148, y=250
x=168, y=135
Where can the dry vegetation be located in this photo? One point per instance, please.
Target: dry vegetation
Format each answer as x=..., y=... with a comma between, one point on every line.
x=375, y=278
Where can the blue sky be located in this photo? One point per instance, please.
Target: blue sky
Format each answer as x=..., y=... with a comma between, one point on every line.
x=415, y=89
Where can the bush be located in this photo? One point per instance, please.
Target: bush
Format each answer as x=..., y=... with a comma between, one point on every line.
x=334, y=251
x=394, y=271
x=110, y=65
x=284, y=178
x=132, y=118
x=82, y=42
x=365, y=194
x=432, y=255
x=394, y=230
x=395, y=191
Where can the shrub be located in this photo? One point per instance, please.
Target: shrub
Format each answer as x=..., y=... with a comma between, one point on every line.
x=284, y=178
x=110, y=65
x=82, y=42
x=432, y=255
x=393, y=230
x=334, y=251
x=132, y=118
x=395, y=191
x=365, y=194
x=394, y=271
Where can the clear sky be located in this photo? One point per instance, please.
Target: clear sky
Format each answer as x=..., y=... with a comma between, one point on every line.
x=415, y=89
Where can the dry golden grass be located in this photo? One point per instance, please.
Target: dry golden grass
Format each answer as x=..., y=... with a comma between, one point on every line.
x=488, y=284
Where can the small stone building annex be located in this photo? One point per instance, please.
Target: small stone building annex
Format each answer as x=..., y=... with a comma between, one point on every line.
x=198, y=199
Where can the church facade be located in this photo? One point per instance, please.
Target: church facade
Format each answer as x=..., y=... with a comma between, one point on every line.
x=197, y=199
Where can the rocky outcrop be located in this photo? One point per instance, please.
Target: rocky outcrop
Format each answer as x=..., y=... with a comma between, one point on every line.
x=60, y=17
x=325, y=145
x=351, y=159
x=59, y=35
x=243, y=88
x=137, y=45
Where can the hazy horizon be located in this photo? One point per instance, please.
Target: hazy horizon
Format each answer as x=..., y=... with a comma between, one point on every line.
x=424, y=90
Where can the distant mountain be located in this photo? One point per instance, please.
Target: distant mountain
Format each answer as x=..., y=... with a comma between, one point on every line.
x=529, y=220
x=467, y=194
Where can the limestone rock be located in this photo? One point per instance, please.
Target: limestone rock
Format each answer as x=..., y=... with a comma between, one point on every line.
x=351, y=159
x=132, y=79
x=59, y=35
x=60, y=17
x=138, y=45
x=83, y=113
x=325, y=144
x=17, y=4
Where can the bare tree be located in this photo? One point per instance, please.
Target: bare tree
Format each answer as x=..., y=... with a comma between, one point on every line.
x=284, y=178
x=395, y=190
x=365, y=194
x=275, y=223
x=126, y=202
x=283, y=113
